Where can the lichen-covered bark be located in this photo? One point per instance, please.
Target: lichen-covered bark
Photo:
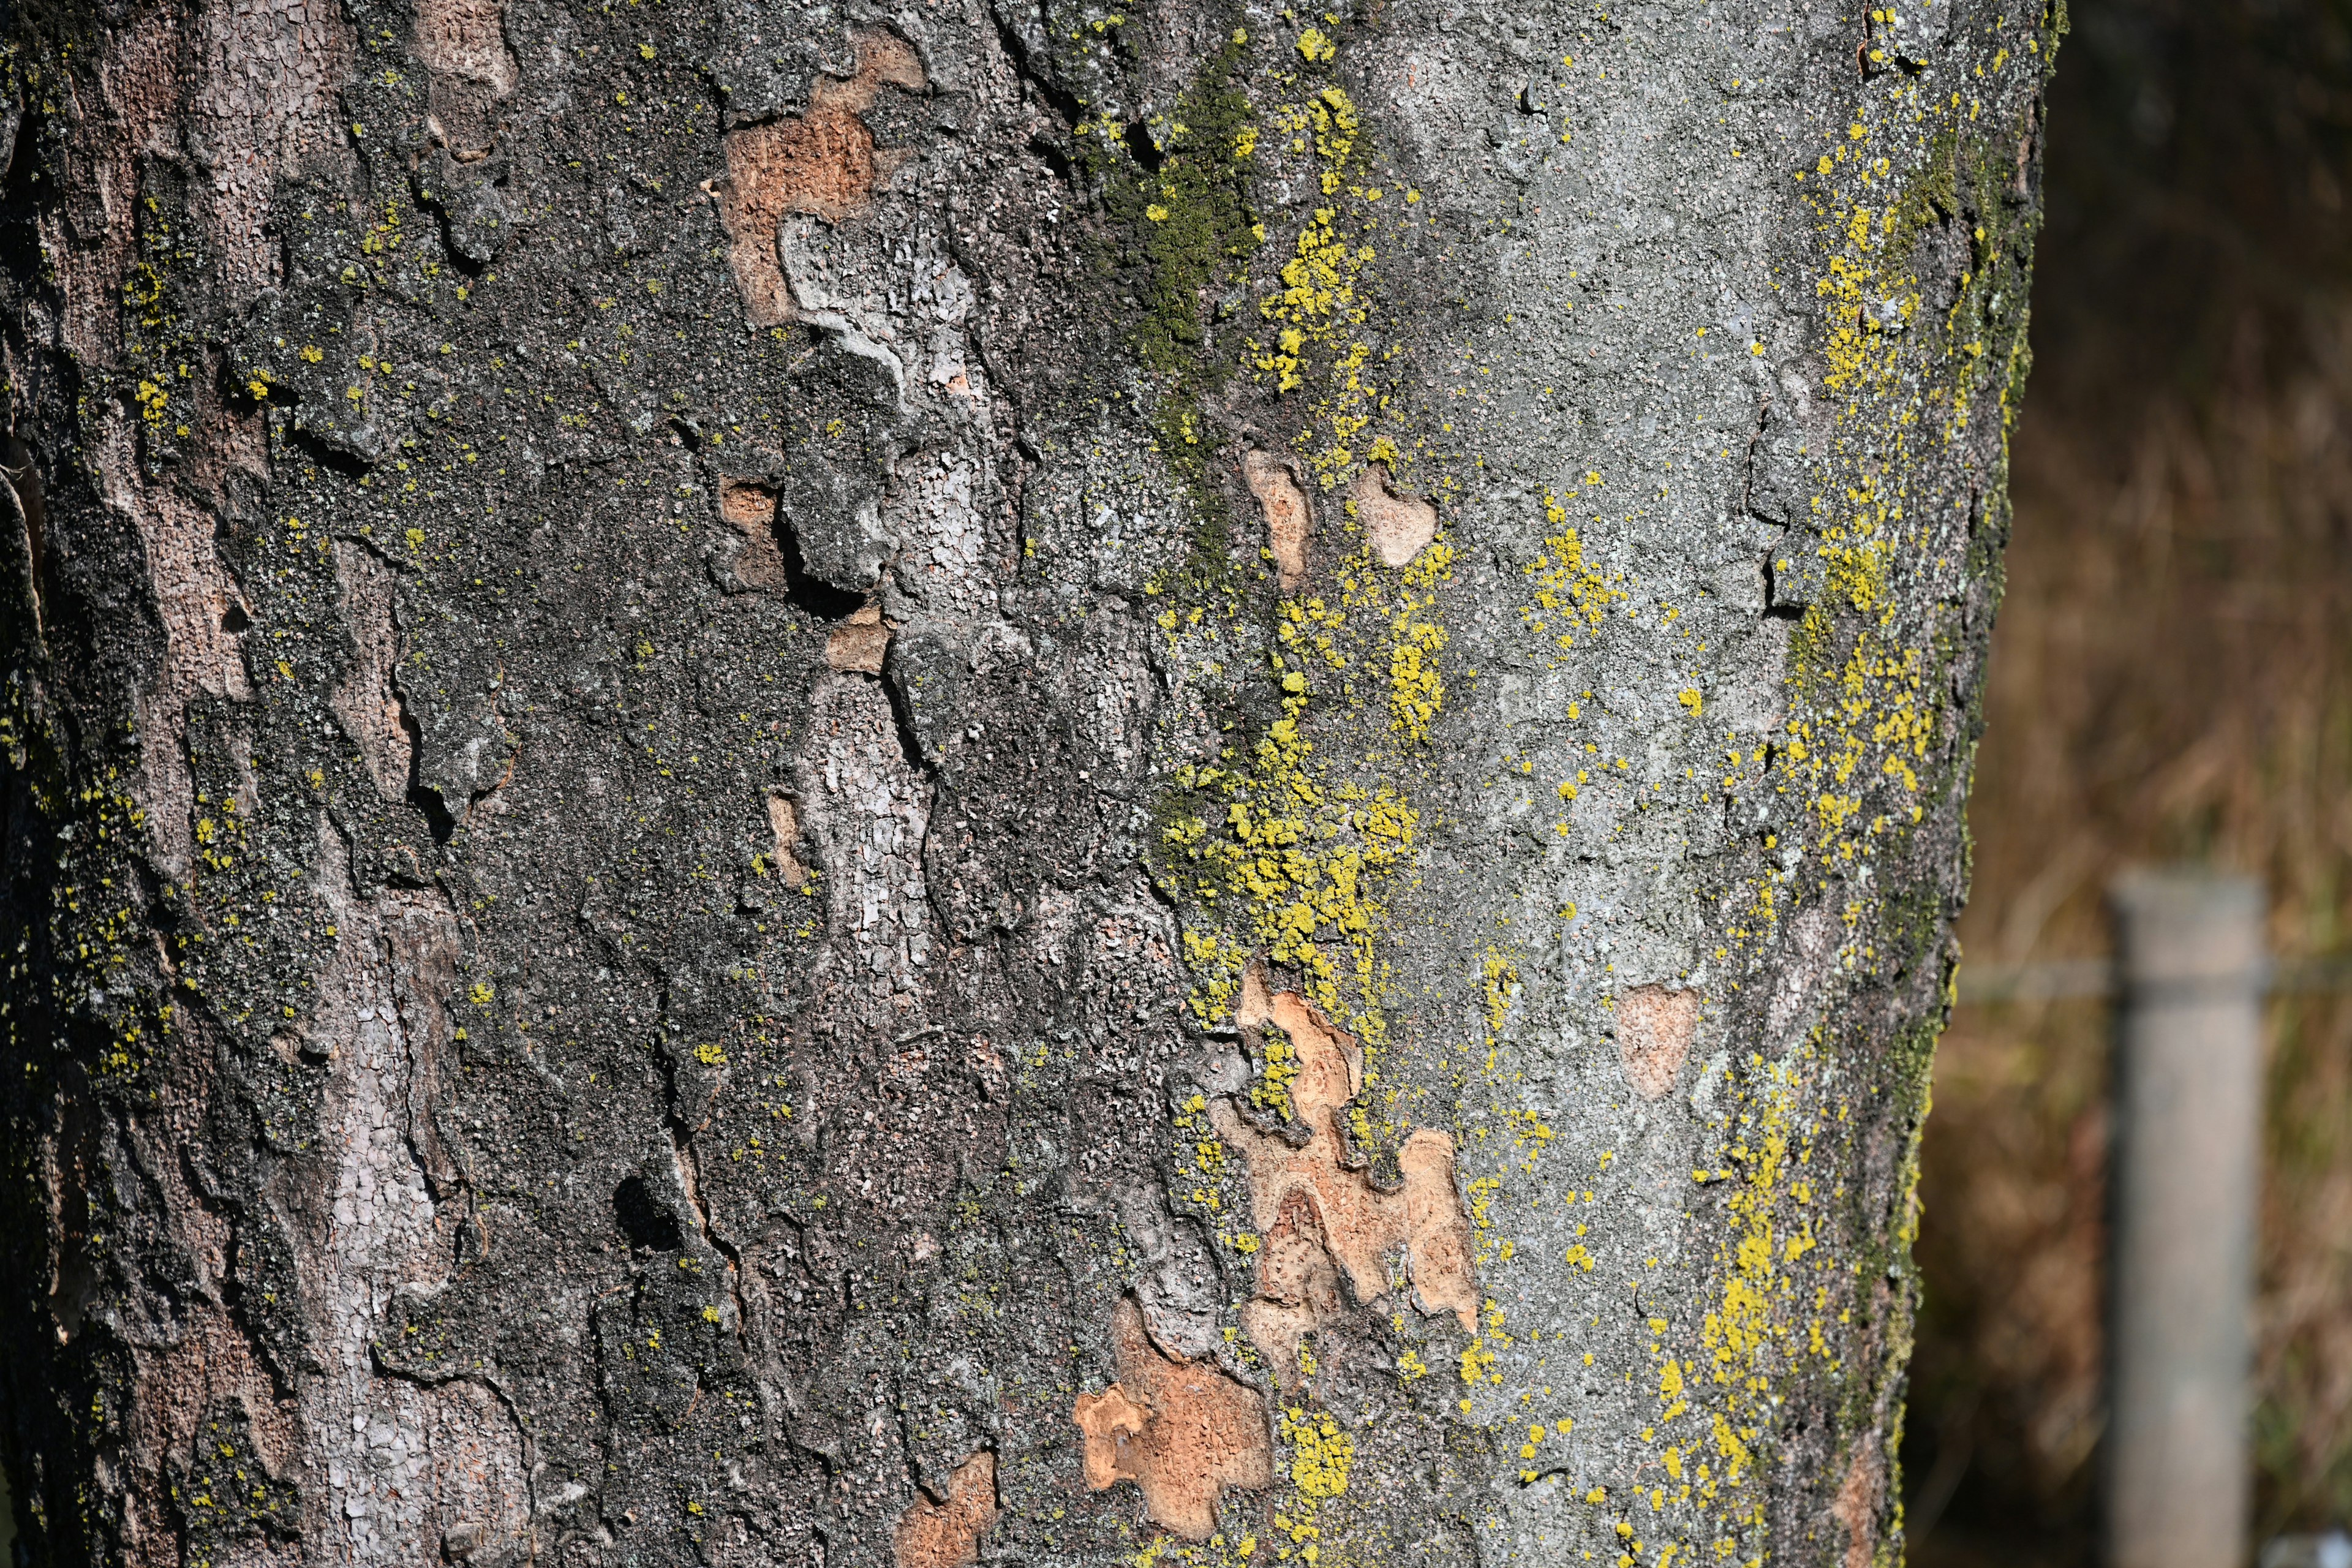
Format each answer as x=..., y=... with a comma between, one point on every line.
x=981, y=783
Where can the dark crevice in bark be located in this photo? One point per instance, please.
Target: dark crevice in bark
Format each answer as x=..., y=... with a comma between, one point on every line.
x=805, y=591
x=334, y=460
x=1777, y=608
x=690, y=1170
x=1142, y=149
x=21, y=203
x=445, y=228
x=1056, y=159
x=902, y=720
x=1747, y=466
x=424, y=797
x=1063, y=102
x=644, y=1218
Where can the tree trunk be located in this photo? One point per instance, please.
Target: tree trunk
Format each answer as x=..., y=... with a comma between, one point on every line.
x=850, y=786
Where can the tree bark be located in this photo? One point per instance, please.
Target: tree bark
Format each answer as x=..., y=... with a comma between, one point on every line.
x=972, y=783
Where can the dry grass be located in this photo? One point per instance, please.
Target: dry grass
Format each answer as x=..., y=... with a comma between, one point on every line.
x=2172, y=679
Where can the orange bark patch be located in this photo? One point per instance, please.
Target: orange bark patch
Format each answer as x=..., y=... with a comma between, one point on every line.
x=1322, y=1221
x=822, y=160
x=467, y=39
x=1857, y=1506
x=1297, y=1286
x=1294, y=1264
x=1182, y=1431
x=1286, y=518
x=1655, y=1026
x=1436, y=1232
x=947, y=1534
x=747, y=503
x=1330, y=1062
x=463, y=44
x=1396, y=526
x=859, y=643
x=784, y=818
x=751, y=509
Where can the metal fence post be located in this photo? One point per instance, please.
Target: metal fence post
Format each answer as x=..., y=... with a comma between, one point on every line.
x=2186, y=1174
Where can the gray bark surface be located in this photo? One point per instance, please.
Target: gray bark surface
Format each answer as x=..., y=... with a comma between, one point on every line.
x=974, y=784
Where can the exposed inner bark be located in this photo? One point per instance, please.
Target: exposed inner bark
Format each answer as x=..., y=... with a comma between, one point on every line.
x=1288, y=520
x=1181, y=1432
x=822, y=160
x=1318, y=1206
x=948, y=1534
x=1398, y=527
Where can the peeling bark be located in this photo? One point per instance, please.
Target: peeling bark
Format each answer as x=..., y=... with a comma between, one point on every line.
x=1182, y=1431
x=1327, y=1224
x=947, y=1534
x=985, y=784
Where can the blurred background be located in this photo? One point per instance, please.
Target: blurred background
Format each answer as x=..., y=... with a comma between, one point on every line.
x=2171, y=680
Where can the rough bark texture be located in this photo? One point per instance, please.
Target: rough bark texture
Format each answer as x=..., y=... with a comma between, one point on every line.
x=973, y=783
